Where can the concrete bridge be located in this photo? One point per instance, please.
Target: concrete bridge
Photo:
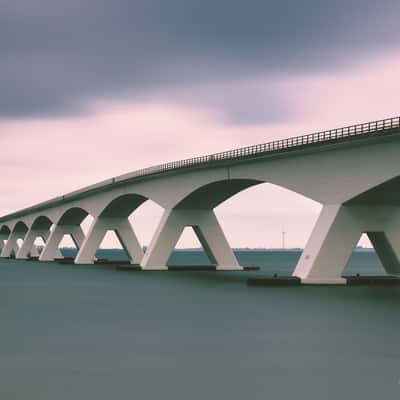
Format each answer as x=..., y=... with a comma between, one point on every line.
x=353, y=171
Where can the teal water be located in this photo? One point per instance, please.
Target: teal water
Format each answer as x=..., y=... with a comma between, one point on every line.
x=74, y=332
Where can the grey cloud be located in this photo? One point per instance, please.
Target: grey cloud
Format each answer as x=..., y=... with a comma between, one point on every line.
x=57, y=55
x=240, y=102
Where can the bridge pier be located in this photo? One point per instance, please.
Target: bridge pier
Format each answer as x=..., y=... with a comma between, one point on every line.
x=11, y=244
x=206, y=228
x=51, y=251
x=3, y=238
x=387, y=247
x=97, y=231
x=335, y=235
x=28, y=247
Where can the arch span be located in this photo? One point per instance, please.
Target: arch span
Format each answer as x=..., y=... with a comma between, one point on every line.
x=212, y=194
x=114, y=217
x=20, y=227
x=5, y=230
x=12, y=246
x=42, y=222
x=68, y=224
x=387, y=193
x=123, y=206
x=73, y=216
x=196, y=210
x=40, y=229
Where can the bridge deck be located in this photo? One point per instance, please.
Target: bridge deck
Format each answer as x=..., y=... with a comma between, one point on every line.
x=363, y=131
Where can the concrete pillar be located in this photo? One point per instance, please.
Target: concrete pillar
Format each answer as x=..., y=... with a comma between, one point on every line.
x=3, y=241
x=97, y=231
x=207, y=229
x=34, y=252
x=28, y=247
x=78, y=237
x=11, y=244
x=24, y=250
x=387, y=247
x=329, y=248
x=50, y=251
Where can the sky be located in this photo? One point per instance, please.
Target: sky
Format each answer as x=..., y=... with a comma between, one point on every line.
x=91, y=89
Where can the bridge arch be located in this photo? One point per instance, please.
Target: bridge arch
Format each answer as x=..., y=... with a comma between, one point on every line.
x=73, y=216
x=113, y=225
x=69, y=224
x=212, y=194
x=20, y=228
x=5, y=231
x=196, y=210
x=13, y=238
x=123, y=205
x=42, y=222
x=386, y=193
x=39, y=230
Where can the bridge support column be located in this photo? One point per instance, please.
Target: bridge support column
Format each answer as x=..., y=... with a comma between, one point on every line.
x=11, y=244
x=207, y=229
x=97, y=231
x=34, y=252
x=28, y=247
x=50, y=251
x=336, y=234
x=331, y=243
x=387, y=247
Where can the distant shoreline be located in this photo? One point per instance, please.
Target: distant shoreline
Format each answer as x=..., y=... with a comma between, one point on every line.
x=243, y=249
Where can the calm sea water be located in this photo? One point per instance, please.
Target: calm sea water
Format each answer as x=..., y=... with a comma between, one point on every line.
x=90, y=332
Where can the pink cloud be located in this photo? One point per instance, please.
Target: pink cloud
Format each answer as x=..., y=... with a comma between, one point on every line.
x=42, y=158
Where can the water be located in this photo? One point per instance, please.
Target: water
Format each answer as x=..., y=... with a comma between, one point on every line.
x=74, y=332
x=271, y=261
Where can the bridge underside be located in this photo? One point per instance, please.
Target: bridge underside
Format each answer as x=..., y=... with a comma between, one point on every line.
x=387, y=193
x=356, y=178
x=375, y=212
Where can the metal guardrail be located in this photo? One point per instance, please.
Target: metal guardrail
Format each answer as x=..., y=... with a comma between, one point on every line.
x=282, y=145
x=277, y=145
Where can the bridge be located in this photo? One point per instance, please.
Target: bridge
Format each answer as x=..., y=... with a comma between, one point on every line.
x=354, y=172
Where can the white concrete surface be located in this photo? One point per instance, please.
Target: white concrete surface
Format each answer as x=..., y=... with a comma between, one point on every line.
x=336, y=234
x=207, y=229
x=50, y=252
x=100, y=226
x=333, y=175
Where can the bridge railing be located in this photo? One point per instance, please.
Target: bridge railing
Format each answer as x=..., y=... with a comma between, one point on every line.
x=374, y=127
x=340, y=134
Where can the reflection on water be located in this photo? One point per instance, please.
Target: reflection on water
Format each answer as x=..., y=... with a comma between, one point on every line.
x=277, y=261
x=90, y=332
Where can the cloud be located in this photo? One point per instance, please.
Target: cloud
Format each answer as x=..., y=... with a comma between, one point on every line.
x=57, y=56
x=93, y=89
x=45, y=158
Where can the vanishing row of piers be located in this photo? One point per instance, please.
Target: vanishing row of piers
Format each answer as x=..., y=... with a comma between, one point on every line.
x=352, y=171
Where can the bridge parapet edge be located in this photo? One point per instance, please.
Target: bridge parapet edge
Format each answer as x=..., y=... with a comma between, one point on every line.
x=381, y=128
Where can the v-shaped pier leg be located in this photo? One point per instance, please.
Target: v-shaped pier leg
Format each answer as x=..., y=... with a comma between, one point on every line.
x=387, y=247
x=50, y=251
x=97, y=231
x=207, y=229
x=11, y=244
x=332, y=241
x=28, y=247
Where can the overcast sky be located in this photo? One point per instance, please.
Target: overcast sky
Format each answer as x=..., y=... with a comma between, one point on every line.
x=90, y=89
